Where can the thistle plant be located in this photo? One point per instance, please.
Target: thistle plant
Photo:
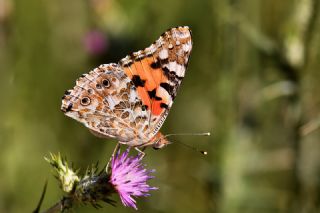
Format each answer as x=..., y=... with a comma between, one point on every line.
x=124, y=175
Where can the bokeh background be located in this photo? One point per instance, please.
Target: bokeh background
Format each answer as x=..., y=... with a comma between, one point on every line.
x=253, y=81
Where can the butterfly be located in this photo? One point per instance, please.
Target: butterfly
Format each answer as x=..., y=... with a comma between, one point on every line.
x=129, y=101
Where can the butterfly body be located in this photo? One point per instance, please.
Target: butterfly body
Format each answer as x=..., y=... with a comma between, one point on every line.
x=130, y=100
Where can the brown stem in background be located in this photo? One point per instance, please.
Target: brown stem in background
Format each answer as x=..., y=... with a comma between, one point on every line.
x=63, y=204
x=41, y=198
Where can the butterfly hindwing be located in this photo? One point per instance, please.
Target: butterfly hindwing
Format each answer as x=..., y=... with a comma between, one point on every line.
x=106, y=102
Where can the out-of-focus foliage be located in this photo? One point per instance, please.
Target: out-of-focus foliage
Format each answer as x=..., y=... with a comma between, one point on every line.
x=253, y=81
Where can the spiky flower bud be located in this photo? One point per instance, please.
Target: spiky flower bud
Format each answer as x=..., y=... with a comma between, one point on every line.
x=68, y=178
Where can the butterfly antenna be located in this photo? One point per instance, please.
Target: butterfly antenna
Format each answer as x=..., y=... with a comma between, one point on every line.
x=189, y=134
x=188, y=146
x=204, y=152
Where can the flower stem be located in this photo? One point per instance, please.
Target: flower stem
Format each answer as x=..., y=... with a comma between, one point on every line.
x=63, y=204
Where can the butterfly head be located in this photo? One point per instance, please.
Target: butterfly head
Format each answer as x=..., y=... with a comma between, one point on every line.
x=160, y=141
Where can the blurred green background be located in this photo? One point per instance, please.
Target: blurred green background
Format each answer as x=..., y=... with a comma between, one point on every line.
x=253, y=81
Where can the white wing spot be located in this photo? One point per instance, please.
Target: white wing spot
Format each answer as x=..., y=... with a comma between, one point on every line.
x=163, y=54
x=151, y=49
x=177, y=68
x=180, y=70
x=138, y=54
x=186, y=47
x=126, y=60
x=110, y=102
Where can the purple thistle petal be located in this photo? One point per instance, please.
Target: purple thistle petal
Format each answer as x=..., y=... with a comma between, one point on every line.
x=129, y=178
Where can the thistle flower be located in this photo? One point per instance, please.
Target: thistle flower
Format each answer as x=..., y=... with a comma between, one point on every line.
x=129, y=178
x=126, y=176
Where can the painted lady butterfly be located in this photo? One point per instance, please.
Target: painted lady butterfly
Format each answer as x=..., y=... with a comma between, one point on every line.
x=130, y=101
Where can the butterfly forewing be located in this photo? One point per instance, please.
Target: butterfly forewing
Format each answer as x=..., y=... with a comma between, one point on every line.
x=157, y=72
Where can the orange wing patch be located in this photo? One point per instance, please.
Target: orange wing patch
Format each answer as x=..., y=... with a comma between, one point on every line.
x=156, y=72
x=147, y=78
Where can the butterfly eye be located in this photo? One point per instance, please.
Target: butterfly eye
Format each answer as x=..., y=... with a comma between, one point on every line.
x=106, y=83
x=157, y=145
x=85, y=101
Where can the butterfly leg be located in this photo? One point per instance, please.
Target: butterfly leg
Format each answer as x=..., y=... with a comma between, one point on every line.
x=141, y=152
x=115, y=151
